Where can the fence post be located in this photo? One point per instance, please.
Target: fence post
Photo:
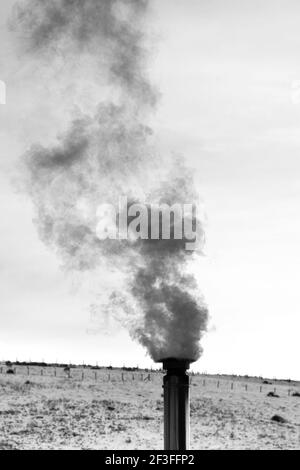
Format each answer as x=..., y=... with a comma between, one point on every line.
x=246, y=388
x=232, y=386
x=42, y=372
x=122, y=377
x=82, y=377
x=55, y=372
x=260, y=389
x=218, y=384
x=204, y=383
x=96, y=375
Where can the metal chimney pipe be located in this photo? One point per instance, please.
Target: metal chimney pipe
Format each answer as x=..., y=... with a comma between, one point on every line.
x=176, y=404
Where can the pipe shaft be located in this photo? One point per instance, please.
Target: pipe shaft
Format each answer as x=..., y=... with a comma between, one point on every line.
x=176, y=412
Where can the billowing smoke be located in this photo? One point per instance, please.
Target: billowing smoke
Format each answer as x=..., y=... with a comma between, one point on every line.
x=107, y=29
x=107, y=155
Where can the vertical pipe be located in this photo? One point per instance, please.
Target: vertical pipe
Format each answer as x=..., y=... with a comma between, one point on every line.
x=176, y=405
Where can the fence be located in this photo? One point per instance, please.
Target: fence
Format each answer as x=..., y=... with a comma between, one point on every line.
x=239, y=385
x=77, y=374
x=103, y=375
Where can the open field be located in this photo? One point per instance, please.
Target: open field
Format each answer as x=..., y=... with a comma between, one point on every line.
x=103, y=409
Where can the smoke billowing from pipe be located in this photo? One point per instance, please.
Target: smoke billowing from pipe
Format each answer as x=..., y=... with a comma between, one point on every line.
x=105, y=155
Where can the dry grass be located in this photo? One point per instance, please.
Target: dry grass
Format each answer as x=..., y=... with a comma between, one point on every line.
x=43, y=412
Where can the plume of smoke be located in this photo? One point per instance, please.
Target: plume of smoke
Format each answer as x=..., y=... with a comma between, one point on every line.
x=103, y=156
x=164, y=309
x=109, y=30
x=174, y=312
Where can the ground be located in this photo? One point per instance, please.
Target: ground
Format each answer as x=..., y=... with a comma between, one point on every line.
x=103, y=410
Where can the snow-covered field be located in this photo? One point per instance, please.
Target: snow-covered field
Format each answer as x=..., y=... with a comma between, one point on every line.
x=103, y=410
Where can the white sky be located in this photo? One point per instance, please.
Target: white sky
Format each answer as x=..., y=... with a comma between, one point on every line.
x=226, y=70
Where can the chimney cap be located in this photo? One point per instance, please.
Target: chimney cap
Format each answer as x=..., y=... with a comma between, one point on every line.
x=175, y=364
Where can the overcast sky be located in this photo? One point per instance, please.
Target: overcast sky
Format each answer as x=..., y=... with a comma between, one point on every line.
x=229, y=74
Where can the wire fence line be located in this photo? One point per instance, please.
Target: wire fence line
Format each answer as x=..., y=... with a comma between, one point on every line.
x=77, y=374
x=240, y=385
x=100, y=375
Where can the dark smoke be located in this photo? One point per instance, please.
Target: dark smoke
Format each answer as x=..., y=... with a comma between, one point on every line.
x=109, y=154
